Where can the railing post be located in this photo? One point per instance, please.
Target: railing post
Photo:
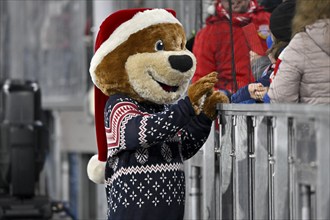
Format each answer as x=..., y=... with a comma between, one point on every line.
x=291, y=161
x=218, y=199
x=305, y=202
x=233, y=156
x=251, y=124
x=271, y=161
x=195, y=192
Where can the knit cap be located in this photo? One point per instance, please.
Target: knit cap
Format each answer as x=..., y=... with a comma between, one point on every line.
x=281, y=20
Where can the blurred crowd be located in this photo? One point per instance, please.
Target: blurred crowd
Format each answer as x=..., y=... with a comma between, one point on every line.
x=267, y=51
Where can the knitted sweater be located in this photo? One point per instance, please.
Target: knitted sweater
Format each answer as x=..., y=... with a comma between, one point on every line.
x=147, y=144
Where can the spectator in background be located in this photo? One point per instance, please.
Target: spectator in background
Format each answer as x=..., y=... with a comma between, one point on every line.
x=260, y=63
x=304, y=73
x=212, y=46
x=281, y=31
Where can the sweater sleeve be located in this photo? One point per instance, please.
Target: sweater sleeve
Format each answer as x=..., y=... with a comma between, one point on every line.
x=194, y=135
x=241, y=95
x=129, y=128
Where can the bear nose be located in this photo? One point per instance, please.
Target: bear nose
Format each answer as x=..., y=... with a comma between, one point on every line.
x=182, y=63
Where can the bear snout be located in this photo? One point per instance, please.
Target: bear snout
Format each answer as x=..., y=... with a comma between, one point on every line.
x=182, y=63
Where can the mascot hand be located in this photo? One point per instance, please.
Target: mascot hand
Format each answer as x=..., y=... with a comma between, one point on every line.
x=200, y=89
x=211, y=102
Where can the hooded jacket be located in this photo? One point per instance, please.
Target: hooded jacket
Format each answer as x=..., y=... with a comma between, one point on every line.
x=304, y=73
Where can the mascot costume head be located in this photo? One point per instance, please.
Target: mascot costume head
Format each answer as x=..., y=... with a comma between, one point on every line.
x=148, y=117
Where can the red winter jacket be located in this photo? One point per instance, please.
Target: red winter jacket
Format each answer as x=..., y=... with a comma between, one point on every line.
x=212, y=48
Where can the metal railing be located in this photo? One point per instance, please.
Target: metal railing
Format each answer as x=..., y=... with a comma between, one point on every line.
x=262, y=162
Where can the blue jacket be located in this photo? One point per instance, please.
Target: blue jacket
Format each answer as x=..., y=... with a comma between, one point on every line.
x=243, y=96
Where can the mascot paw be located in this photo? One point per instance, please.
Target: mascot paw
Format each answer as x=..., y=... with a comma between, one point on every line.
x=96, y=169
x=200, y=89
x=211, y=102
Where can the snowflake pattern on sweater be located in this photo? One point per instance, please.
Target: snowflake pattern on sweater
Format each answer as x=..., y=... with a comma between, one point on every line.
x=147, y=144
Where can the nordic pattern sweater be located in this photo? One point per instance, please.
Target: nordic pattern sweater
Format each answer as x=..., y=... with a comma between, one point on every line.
x=147, y=144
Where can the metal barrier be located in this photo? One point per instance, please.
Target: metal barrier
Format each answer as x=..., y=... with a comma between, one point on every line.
x=262, y=162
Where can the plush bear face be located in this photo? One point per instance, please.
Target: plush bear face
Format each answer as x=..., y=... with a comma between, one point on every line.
x=151, y=65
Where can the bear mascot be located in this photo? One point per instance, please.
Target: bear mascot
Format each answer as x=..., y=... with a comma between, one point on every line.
x=148, y=118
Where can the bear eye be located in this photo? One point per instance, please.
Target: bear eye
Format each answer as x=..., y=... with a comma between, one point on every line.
x=159, y=45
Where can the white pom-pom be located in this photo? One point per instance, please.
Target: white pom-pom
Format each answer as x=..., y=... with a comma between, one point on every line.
x=96, y=170
x=211, y=10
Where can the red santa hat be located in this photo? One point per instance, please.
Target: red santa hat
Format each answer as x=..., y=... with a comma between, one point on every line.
x=114, y=31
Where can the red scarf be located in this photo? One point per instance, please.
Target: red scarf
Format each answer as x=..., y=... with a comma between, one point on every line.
x=277, y=65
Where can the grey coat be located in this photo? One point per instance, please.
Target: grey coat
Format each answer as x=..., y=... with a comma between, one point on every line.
x=304, y=73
